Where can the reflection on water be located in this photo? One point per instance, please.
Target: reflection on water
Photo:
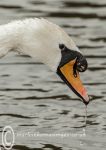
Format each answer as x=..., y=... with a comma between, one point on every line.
x=33, y=99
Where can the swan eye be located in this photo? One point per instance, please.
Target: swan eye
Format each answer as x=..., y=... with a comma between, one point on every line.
x=62, y=46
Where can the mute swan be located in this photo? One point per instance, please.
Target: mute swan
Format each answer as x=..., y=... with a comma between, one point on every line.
x=48, y=43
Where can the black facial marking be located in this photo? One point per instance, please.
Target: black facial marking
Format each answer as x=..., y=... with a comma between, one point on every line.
x=79, y=66
x=68, y=55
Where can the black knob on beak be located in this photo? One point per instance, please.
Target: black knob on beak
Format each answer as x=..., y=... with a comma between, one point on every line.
x=81, y=64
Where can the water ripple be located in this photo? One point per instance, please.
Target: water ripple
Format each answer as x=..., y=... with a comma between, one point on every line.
x=83, y=4
x=96, y=68
x=46, y=146
x=60, y=97
x=98, y=39
x=76, y=15
x=28, y=125
x=14, y=89
x=22, y=147
x=16, y=115
x=94, y=97
x=96, y=83
x=10, y=7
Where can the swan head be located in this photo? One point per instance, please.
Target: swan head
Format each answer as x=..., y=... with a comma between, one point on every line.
x=61, y=54
x=49, y=44
x=71, y=64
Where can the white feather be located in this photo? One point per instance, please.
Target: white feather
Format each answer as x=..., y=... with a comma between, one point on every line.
x=37, y=38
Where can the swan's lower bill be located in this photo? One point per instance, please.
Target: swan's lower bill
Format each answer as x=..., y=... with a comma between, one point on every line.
x=67, y=75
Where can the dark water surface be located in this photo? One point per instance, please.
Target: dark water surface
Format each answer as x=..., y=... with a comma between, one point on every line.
x=33, y=99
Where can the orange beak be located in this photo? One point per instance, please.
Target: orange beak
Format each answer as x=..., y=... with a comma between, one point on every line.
x=66, y=73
